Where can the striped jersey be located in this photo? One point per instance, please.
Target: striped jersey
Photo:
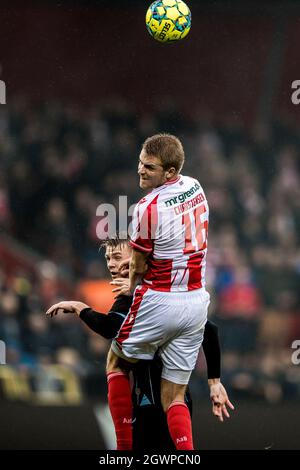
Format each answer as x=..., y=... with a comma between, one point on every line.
x=171, y=225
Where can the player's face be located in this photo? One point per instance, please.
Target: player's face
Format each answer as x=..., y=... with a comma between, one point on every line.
x=115, y=256
x=151, y=171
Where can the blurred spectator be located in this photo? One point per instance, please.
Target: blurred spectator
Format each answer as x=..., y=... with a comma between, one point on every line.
x=238, y=310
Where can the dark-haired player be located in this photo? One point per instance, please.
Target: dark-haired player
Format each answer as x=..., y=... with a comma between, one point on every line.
x=150, y=430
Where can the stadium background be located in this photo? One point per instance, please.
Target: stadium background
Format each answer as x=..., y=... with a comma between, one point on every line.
x=85, y=85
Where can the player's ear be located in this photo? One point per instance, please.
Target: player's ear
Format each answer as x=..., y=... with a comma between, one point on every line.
x=171, y=172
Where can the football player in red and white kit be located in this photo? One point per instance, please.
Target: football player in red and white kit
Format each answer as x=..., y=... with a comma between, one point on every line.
x=167, y=276
x=150, y=430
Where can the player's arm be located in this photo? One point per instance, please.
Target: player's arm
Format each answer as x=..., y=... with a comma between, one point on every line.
x=141, y=243
x=106, y=325
x=212, y=351
x=66, y=306
x=137, y=268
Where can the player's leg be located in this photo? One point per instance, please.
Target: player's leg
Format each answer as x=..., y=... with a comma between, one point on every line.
x=178, y=414
x=150, y=428
x=179, y=358
x=171, y=391
x=119, y=390
x=131, y=345
x=119, y=399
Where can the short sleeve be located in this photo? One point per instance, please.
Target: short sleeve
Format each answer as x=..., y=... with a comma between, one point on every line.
x=144, y=225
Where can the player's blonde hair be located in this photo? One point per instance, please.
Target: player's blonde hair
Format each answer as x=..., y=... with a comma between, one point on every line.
x=168, y=148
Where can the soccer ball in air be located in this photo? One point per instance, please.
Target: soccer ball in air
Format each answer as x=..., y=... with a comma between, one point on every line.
x=168, y=20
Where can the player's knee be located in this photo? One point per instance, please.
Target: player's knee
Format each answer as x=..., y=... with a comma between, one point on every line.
x=171, y=392
x=115, y=363
x=112, y=363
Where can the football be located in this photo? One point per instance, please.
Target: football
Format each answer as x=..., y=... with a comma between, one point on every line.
x=168, y=20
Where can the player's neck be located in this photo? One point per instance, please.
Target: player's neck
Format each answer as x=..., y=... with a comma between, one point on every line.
x=172, y=180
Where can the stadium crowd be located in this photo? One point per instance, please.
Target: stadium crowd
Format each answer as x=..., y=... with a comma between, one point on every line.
x=58, y=163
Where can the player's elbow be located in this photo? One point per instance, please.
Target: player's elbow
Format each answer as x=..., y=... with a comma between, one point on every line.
x=138, y=269
x=211, y=326
x=109, y=334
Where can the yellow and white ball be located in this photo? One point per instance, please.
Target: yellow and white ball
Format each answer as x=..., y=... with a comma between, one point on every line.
x=168, y=20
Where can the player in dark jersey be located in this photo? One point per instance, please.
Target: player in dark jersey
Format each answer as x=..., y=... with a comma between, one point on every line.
x=150, y=430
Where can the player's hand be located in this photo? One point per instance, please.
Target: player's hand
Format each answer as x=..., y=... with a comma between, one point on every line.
x=122, y=286
x=220, y=401
x=124, y=268
x=69, y=306
x=120, y=283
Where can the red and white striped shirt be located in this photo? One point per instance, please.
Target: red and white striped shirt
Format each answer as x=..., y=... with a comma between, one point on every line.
x=171, y=224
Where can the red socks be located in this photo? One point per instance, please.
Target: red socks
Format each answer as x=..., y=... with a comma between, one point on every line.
x=120, y=404
x=180, y=425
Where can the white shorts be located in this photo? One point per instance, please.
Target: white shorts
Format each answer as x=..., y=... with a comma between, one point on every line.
x=172, y=322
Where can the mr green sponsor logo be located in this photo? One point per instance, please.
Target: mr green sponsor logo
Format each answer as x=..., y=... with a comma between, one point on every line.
x=183, y=196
